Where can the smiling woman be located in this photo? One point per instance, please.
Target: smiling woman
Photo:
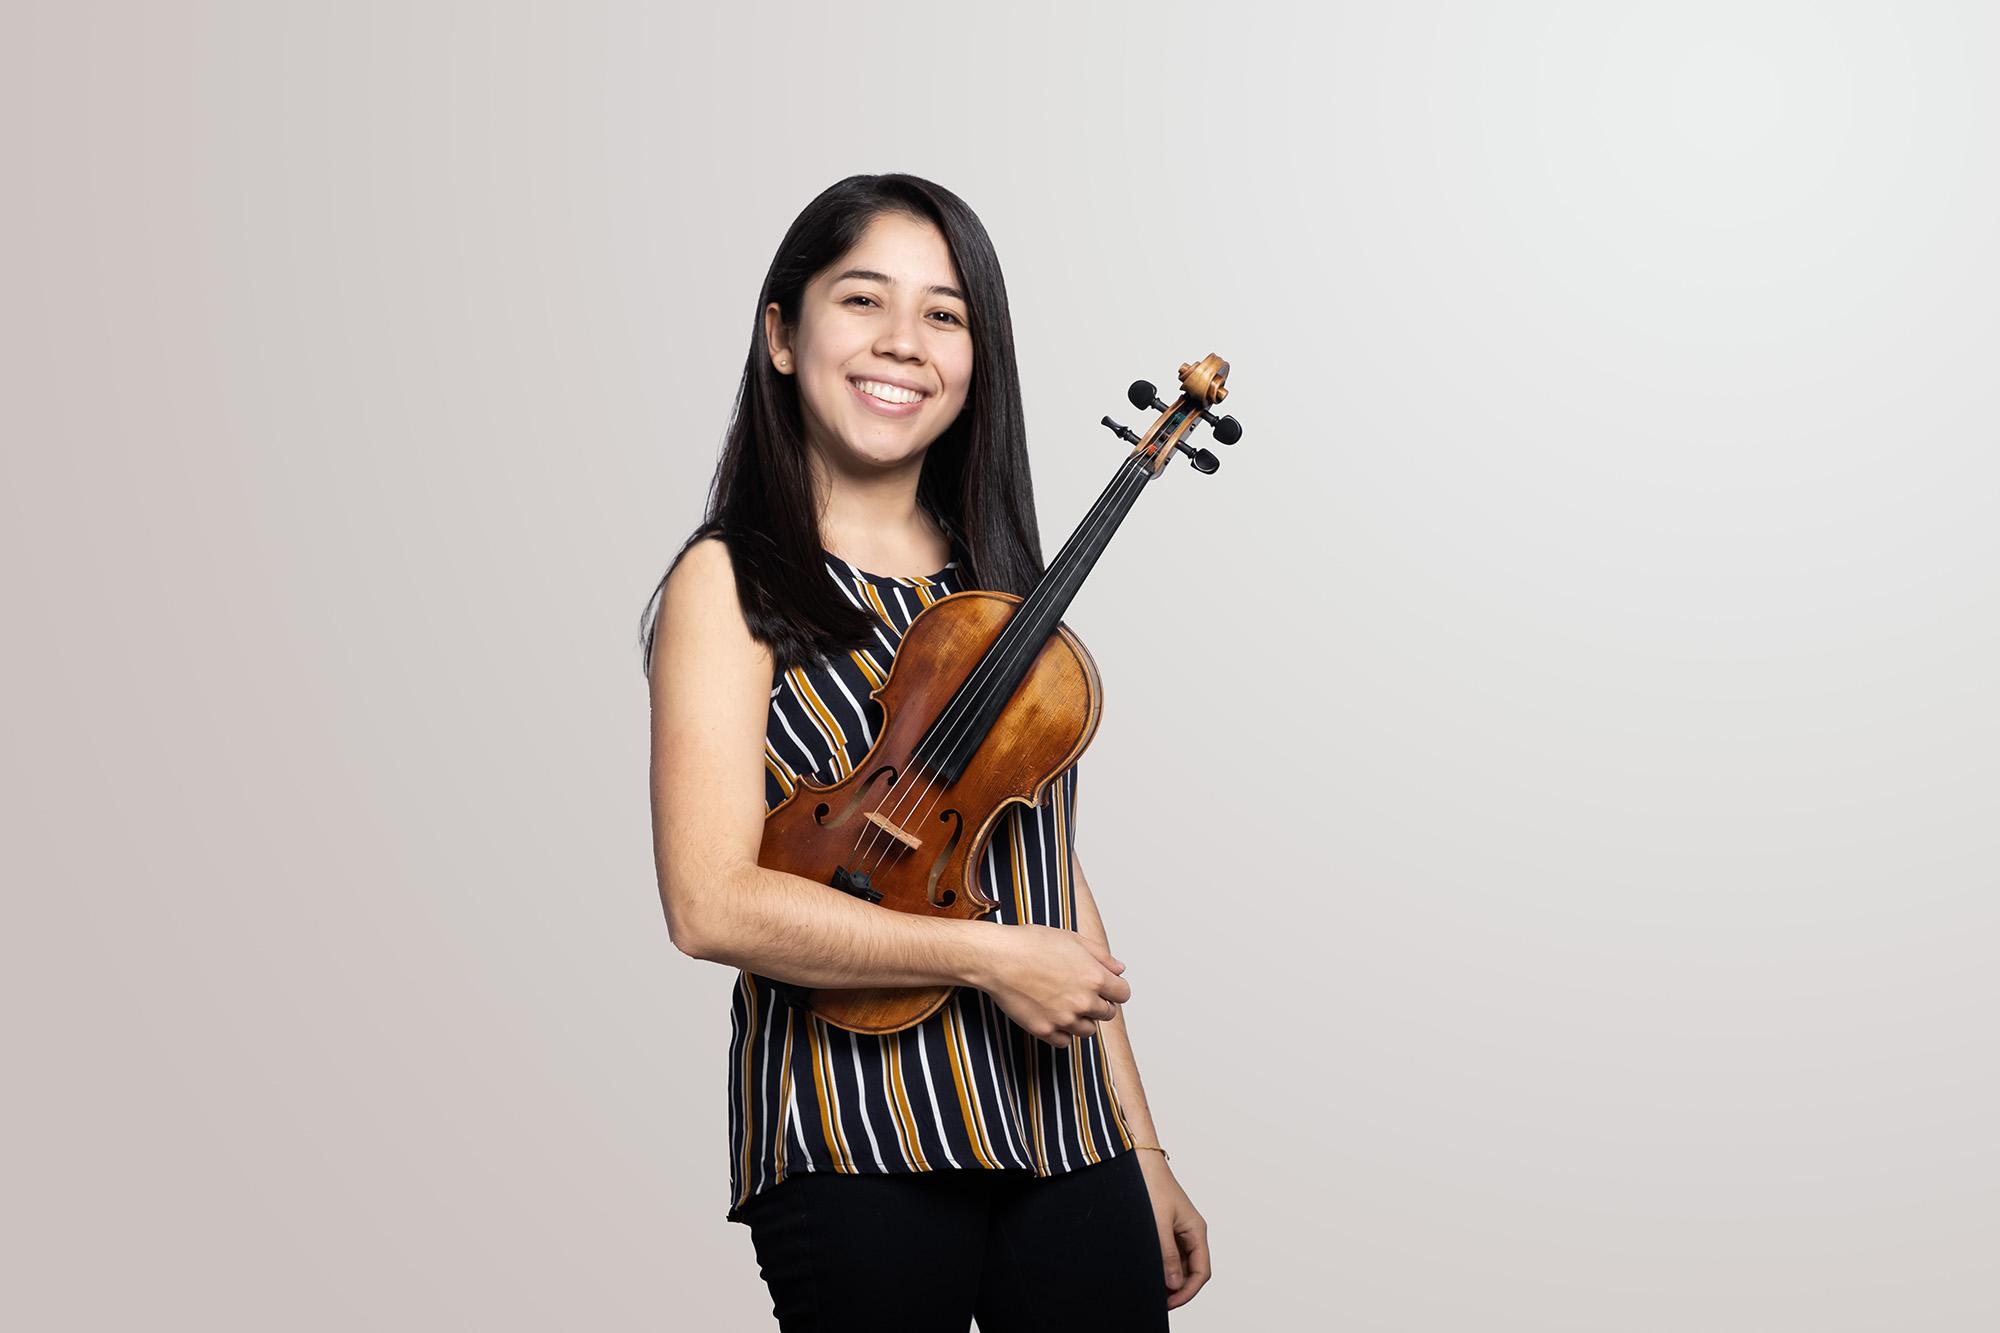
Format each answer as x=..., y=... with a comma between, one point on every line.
x=876, y=463
x=884, y=339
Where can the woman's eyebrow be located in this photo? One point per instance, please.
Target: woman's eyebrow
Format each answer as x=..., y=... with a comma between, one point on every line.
x=870, y=275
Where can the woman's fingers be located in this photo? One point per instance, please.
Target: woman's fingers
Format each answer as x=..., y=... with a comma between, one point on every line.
x=1170, y=1258
x=1086, y=1024
x=1194, y=1249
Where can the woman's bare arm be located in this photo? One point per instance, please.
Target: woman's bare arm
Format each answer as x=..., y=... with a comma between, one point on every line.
x=710, y=684
x=1117, y=1041
x=1183, y=1231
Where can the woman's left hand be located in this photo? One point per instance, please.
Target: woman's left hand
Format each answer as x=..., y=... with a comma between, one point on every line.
x=1183, y=1231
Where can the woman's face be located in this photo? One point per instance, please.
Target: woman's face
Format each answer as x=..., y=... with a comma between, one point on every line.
x=881, y=350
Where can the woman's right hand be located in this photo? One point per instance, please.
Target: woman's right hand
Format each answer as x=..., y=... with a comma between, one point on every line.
x=1054, y=984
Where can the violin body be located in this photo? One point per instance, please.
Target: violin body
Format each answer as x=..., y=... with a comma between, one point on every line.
x=919, y=842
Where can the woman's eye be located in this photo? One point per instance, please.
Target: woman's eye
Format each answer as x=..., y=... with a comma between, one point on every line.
x=950, y=317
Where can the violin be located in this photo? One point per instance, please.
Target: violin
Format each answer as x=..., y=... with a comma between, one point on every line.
x=988, y=700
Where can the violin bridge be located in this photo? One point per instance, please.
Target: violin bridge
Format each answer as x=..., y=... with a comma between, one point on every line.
x=909, y=840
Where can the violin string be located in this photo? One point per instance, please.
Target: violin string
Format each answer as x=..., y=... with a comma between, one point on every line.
x=967, y=702
x=1003, y=665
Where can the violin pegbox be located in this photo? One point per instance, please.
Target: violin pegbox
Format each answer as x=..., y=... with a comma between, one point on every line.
x=1204, y=383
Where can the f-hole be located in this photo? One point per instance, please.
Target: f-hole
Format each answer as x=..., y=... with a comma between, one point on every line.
x=949, y=896
x=860, y=797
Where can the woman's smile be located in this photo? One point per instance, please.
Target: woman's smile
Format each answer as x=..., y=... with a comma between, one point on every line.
x=887, y=399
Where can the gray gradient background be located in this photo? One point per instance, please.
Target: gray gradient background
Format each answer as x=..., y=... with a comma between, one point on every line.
x=1547, y=779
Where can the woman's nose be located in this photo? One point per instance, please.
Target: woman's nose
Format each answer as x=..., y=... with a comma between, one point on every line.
x=901, y=339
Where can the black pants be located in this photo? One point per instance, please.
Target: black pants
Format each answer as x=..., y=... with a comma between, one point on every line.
x=926, y=1252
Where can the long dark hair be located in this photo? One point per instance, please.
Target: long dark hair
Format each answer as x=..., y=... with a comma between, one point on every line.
x=974, y=482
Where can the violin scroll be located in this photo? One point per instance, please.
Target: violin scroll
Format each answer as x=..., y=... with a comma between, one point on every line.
x=1204, y=383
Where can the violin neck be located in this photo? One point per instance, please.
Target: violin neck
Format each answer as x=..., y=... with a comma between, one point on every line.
x=1042, y=610
x=949, y=744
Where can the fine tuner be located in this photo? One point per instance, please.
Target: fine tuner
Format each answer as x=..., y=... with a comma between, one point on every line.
x=1178, y=419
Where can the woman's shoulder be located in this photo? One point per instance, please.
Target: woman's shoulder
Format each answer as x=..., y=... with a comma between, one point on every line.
x=705, y=561
x=700, y=609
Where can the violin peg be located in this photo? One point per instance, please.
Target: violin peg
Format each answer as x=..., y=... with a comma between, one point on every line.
x=1201, y=460
x=1120, y=431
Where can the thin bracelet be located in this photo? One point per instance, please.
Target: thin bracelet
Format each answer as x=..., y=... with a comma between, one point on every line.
x=1154, y=1147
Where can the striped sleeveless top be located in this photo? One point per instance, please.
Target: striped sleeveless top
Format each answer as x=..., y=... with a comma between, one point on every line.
x=966, y=1089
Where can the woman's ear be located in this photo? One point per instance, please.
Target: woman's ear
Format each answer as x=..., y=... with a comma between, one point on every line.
x=777, y=339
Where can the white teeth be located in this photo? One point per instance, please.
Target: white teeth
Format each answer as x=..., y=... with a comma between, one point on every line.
x=888, y=393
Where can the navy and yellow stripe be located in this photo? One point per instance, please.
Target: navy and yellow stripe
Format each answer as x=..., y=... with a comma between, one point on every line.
x=964, y=1089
